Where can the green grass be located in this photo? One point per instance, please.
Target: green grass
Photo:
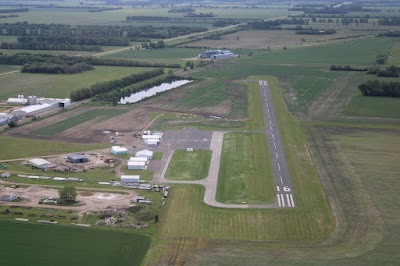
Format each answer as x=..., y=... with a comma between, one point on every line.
x=97, y=114
x=189, y=165
x=158, y=155
x=34, y=214
x=144, y=174
x=374, y=107
x=8, y=68
x=22, y=148
x=394, y=58
x=31, y=244
x=60, y=86
x=245, y=173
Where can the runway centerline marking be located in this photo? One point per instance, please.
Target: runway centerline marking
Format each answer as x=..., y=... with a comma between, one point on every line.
x=279, y=166
x=281, y=180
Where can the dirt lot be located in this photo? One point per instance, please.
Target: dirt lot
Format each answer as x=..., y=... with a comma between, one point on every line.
x=91, y=201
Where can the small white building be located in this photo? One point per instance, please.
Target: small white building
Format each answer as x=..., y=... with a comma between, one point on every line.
x=139, y=159
x=65, y=102
x=136, y=165
x=17, y=101
x=118, y=150
x=130, y=179
x=40, y=163
x=145, y=153
x=152, y=142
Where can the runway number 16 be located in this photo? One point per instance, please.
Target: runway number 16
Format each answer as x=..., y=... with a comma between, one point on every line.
x=286, y=189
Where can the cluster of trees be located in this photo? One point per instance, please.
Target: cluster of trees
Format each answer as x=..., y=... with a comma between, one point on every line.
x=394, y=21
x=114, y=96
x=381, y=59
x=26, y=58
x=14, y=10
x=98, y=31
x=380, y=88
x=101, y=9
x=390, y=34
x=181, y=10
x=9, y=16
x=264, y=25
x=391, y=72
x=105, y=87
x=67, y=195
x=199, y=15
x=154, y=45
x=82, y=40
x=56, y=68
x=312, y=31
x=348, y=68
x=49, y=46
x=225, y=22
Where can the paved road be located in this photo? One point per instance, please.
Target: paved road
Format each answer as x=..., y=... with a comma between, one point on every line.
x=283, y=187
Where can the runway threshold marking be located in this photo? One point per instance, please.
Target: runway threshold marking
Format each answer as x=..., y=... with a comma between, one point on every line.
x=288, y=201
x=283, y=200
x=279, y=200
x=291, y=199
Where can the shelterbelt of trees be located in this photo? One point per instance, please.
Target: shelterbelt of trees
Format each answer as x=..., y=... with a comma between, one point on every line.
x=49, y=46
x=82, y=40
x=45, y=63
x=114, y=96
x=104, y=87
x=380, y=88
x=98, y=31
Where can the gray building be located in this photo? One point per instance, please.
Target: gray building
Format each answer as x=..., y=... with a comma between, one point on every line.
x=77, y=158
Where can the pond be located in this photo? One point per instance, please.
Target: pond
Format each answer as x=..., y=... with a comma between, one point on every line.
x=138, y=96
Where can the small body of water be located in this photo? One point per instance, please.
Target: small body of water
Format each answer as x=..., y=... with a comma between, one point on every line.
x=138, y=96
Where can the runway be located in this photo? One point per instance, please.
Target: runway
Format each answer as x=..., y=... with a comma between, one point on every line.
x=283, y=187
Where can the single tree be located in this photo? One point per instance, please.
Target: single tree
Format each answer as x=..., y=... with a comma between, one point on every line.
x=68, y=194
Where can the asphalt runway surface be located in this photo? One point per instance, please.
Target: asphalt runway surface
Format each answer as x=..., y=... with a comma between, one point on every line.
x=283, y=186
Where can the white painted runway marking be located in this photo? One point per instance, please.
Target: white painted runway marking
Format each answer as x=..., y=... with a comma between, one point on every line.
x=277, y=188
x=274, y=145
x=281, y=180
x=283, y=200
x=273, y=137
x=288, y=201
x=279, y=200
x=279, y=166
x=270, y=122
x=291, y=199
x=276, y=154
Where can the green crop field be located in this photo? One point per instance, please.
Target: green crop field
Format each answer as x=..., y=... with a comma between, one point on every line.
x=29, y=244
x=97, y=114
x=189, y=165
x=374, y=107
x=245, y=173
x=166, y=55
x=22, y=148
x=60, y=85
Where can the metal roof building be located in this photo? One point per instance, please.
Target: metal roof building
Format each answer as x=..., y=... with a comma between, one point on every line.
x=77, y=158
x=130, y=178
x=136, y=165
x=40, y=163
x=33, y=109
x=145, y=153
x=139, y=159
x=118, y=150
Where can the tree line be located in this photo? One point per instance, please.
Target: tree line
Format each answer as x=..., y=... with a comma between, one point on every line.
x=14, y=10
x=26, y=58
x=104, y=87
x=114, y=96
x=82, y=40
x=312, y=31
x=49, y=68
x=395, y=21
x=380, y=88
x=348, y=68
x=98, y=31
x=49, y=46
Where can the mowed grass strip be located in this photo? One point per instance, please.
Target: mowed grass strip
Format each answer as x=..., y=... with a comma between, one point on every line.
x=186, y=165
x=58, y=127
x=13, y=148
x=245, y=173
x=31, y=244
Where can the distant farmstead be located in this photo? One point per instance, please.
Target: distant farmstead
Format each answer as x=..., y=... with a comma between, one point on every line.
x=40, y=163
x=118, y=150
x=216, y=54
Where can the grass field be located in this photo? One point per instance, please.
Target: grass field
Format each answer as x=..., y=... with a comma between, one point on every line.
x=144, y=174
x=22, y=148
x=97, y=114
x=30, y=244
x=187, y=216
x=245, y=173
x=59, y=86
x=189, y=165
x=394, y=55
x=374, y=107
